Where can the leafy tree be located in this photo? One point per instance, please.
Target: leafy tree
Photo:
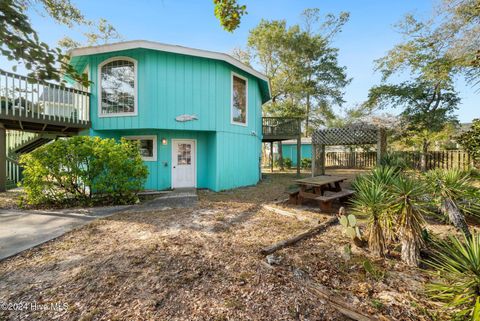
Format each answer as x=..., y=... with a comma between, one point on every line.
x=452, y=34
x=426, y=108
x=229, y=13
x=470, y=141
x=301, y=63
x=101, y=33
x=21, y=43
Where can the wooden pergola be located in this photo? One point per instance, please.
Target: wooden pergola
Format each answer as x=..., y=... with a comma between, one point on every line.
x=358, y=134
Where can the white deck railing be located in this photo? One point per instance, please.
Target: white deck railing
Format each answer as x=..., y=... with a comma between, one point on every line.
x=35, y=100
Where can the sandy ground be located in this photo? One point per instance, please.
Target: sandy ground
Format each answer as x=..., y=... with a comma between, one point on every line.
x=203, y=263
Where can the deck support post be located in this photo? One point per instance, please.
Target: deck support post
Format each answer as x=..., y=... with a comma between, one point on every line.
x=271, y=157
x=3, y=159
x=381, y=144
x=299, y=154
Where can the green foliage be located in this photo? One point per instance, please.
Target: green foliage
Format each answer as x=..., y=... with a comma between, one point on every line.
x=229, y=13
x=454, y=195
x=408, y=207
x=457, y=272
x=372, y=201
x=470, y=141
x=394, y=160
x=83, y=170
x=456, y=185
x=287, y=162
x=305, y=76
x=20, y=42
x=306, y=163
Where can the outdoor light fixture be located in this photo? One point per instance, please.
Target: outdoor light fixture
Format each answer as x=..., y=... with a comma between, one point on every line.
x=164, y=141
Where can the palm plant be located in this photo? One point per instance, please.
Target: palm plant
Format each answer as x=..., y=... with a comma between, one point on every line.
x=408, y=207
x=454, y=195
x=372, y=200
x=457, y=263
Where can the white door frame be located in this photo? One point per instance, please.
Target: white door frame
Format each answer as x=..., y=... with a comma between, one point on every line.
x=195, y=158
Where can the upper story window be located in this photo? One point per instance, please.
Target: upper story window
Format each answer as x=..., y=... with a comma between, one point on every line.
x=118, y=87
x=239, y=107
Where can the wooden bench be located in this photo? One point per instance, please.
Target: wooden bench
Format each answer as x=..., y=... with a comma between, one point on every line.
x=293, y=196
x=325, y=201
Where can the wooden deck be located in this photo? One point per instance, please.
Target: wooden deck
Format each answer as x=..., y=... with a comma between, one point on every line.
x=280, y=128
x=31, y=105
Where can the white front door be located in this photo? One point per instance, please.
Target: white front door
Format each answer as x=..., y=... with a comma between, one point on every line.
x=183, y=163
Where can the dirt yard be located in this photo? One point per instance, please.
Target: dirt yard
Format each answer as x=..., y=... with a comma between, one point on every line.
x=204, y=263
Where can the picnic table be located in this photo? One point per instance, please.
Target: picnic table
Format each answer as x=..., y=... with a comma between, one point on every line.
x=324, y=189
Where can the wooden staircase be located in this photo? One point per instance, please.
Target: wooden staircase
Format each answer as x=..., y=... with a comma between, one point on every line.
x=46, y=109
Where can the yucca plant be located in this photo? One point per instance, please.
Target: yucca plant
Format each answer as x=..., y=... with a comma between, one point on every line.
x=457, y=267
x=409, y=208
x=454, y=195
x=372, y=201
x=381, y=176
x=394, y=160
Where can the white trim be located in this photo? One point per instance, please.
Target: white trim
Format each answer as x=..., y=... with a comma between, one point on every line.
x=234, y=74
x=99, y=87
x=125, y=45
x=173, y=154
x=146, y=137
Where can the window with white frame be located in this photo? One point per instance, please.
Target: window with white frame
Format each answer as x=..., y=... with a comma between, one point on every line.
x=239, y=100
x=147, y=146
x=117, y=83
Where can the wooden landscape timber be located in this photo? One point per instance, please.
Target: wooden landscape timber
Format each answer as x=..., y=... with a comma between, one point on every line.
x=307, y=234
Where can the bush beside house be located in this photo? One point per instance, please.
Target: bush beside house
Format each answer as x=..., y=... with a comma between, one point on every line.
x=83, y=171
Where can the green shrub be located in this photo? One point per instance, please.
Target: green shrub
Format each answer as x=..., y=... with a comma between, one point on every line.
x=83, y=170
x=287, y=162
x=306, y=163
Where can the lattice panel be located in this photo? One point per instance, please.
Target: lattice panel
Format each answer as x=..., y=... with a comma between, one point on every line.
x=353, y=135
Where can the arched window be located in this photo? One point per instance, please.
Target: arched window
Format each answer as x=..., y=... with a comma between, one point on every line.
x=117, y=83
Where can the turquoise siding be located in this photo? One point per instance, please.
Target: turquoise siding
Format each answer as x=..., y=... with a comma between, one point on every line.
x=169, y=85
x=290, y=151
x=172, y=84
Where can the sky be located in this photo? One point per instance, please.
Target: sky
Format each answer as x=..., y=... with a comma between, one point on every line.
x=367, y=36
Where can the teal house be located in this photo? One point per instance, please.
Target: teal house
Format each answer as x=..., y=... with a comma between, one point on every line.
x=289, y=149
x=197, y=114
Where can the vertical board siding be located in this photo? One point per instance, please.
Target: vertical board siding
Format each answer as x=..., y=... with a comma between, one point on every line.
x=169, y=85
x=160, y=175
x=290, y=151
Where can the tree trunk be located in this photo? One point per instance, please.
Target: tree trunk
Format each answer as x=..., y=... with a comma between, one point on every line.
x=376, y=240
x=280, y=156
x=307, y=119
x=410, y=249
x=423, y=156
x=456, y=216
